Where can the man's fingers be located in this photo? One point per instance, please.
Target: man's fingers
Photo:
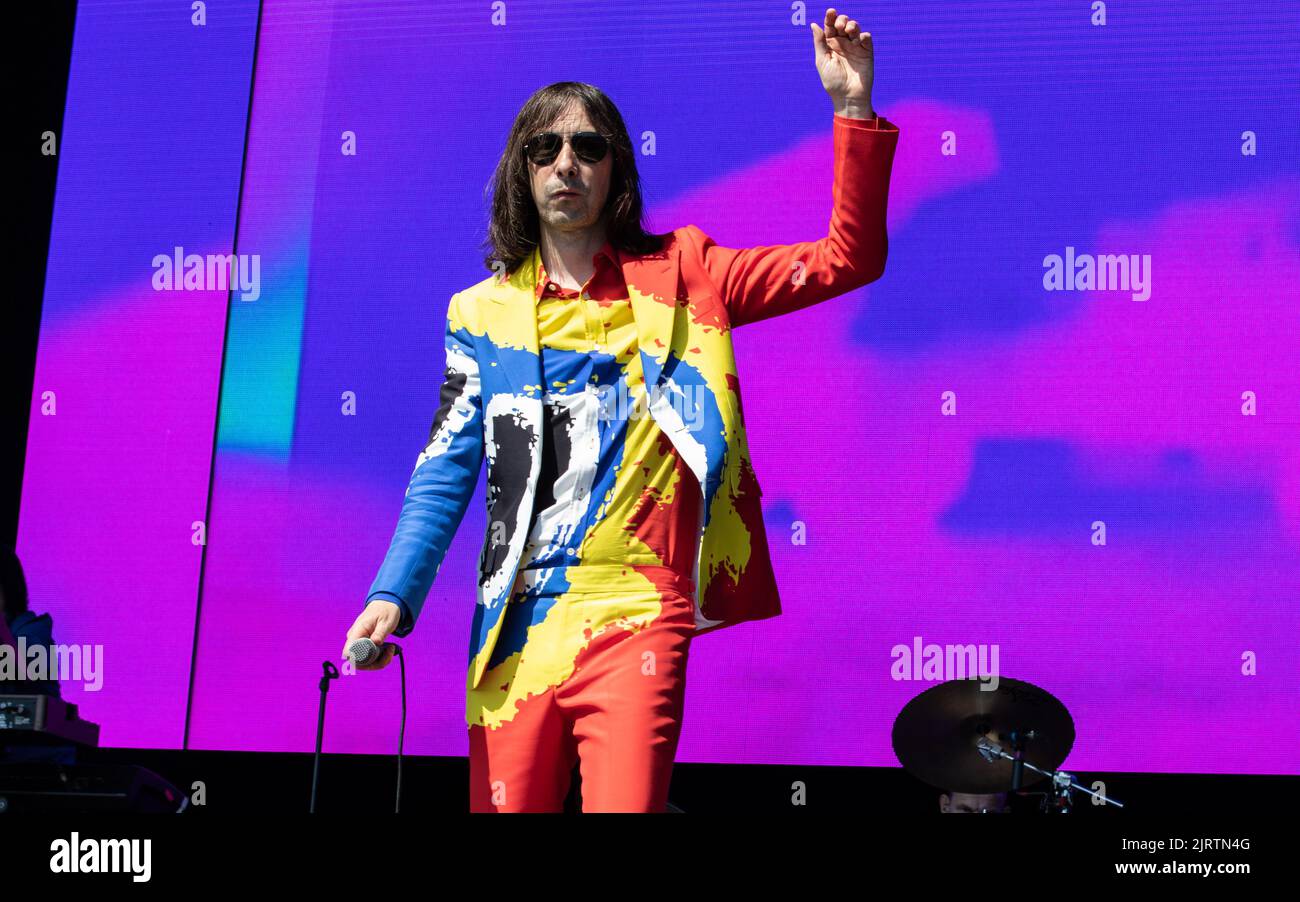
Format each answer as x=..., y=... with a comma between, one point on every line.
x=819, y=43
x=840, y=26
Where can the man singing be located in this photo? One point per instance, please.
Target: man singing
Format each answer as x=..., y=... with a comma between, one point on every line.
x=595, y=371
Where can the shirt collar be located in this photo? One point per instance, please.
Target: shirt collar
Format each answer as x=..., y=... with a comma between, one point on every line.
x=606, y=256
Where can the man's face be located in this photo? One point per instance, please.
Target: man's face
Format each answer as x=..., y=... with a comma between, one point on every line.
x=589, y=182
x=973, y=803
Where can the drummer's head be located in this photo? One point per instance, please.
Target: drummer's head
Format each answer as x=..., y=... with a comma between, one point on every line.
x=973, y=803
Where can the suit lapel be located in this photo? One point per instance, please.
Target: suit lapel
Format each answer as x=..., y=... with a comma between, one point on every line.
x=512, y=329
x=652, y=286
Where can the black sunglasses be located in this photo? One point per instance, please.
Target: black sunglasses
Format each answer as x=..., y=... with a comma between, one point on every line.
x=590, y=147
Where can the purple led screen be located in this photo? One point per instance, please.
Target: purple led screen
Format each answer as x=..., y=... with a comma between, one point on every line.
x=125, y=391
x=934, y=449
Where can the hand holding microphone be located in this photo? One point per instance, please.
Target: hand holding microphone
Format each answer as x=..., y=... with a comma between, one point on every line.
x=366, y=643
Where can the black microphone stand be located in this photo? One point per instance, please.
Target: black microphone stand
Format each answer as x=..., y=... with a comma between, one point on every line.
x=331, y=673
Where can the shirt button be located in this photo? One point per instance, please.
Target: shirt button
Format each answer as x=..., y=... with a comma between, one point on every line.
x=551, y=286
x=571, y=551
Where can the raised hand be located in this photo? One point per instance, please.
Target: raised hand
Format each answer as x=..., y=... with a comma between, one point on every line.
x=846, y=64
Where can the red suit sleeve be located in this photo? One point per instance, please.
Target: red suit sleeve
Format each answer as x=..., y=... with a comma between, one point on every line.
x=757, y=283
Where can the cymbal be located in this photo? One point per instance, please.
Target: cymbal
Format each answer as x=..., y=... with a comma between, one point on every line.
x=936, y=734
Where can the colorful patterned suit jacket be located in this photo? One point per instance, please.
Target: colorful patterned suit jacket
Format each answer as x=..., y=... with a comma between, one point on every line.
x=686, y=298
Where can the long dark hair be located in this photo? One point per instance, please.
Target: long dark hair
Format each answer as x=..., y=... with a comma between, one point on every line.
x=514, y=230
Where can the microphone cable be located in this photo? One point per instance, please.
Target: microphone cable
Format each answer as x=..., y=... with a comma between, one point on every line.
x=401, y=735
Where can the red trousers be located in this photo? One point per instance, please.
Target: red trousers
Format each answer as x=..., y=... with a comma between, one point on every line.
x=602, y=683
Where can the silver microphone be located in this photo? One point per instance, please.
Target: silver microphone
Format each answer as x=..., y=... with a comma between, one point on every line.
x=362, y=651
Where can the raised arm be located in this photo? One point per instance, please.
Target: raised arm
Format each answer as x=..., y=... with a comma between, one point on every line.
x=441, y=484
x=757, y=283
